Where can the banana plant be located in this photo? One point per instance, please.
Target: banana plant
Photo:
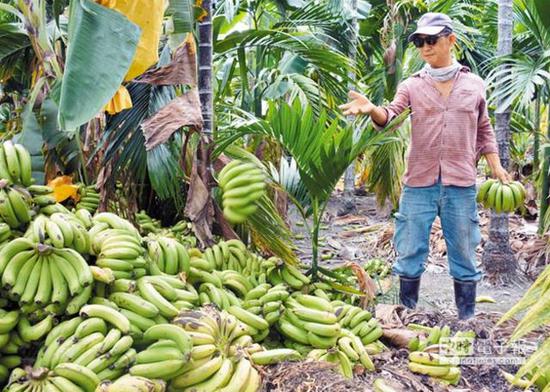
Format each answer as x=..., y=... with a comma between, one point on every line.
x=322, y=147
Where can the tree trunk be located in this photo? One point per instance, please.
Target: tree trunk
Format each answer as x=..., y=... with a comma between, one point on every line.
x=545, y=185
x=349, y=175
x=536, y=145
x=199, y=205
x=498, y=260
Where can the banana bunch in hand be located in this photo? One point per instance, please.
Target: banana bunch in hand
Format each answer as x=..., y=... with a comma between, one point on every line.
x=132, y=384
x=210, y=293
x=89, y=198
x=15, y=164
x=60, y=231
x=443, y=369
x=501, y=197
x=218, y=359
x=167, y=356
x=310, y=320
x=242, y=185
x=358, y=321
x=15, y=205
x=168, y=255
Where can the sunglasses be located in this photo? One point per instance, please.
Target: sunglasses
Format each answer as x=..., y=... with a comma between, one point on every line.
x=429, y=39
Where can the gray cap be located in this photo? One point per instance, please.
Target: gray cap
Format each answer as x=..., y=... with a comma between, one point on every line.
x=432, y=23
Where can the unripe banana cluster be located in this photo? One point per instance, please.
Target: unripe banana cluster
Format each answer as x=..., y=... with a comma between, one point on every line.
x=60, y=230
x=439, y=338
x=242, y=185
x=117, y=246
x=89, y=198
x=15, y=164
x=167, y=357
x=5, y=233
x=377, y=268
x=11, y=343
x=147, y=224
x=167, y=255
x=358, y=321
x=444, y=369
x=87, y=349
x=267, y=301
x=15, y=205
x=310, y=320
x=346, y=353
x=45, y=279
x=501, y=197
x=219, y=356
x=288, y=274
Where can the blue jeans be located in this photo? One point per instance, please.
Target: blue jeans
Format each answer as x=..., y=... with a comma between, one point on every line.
x=457, y=209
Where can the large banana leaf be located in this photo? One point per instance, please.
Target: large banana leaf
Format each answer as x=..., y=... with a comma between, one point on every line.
x=12, y=39
x=182, y=15
x=101, y=45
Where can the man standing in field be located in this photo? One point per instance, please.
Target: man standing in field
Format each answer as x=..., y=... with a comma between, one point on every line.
x=450, y=129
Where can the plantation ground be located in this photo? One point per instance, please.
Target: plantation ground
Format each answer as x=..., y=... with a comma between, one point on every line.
x=366, y=233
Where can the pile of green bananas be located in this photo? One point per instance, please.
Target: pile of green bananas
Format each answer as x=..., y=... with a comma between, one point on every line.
x=219, y=356
x=377, y=268
x=167, y=357
x=242, y=184
x=501, y=197
x=60, y=230
x=15, y=205
x=444, y=369
x=167, y=255
x=15, y=163
x=310, y=320
x=41, y=277
x=358, y=321
x=130, y=383
x=89, y=198
x=346, y=353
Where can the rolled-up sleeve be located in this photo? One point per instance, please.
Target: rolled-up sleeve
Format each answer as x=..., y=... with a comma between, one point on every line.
x=400, y=102
x=486, y=141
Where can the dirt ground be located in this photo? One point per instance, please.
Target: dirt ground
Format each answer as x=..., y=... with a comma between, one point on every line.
x=366, y=233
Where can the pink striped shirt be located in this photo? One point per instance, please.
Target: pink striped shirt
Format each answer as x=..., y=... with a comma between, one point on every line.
x=447, y=135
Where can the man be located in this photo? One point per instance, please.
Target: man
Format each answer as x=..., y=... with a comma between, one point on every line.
x=450, y=130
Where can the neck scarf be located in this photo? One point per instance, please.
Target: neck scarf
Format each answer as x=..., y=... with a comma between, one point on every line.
x=443, y=74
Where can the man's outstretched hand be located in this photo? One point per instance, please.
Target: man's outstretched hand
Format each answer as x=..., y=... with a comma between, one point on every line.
x=359, y=105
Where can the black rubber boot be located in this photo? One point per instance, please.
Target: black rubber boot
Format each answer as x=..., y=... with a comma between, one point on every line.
x=408, y=291
x=465, y=298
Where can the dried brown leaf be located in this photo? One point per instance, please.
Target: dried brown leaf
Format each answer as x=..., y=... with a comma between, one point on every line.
x=183, y=111
x=182, y=69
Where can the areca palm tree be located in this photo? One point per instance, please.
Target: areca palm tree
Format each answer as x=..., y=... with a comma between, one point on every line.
x=498, y=260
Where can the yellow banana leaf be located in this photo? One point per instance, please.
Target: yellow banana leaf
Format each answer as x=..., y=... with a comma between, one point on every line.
x=120, y=101
x=148, y=15
x=63, y=188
